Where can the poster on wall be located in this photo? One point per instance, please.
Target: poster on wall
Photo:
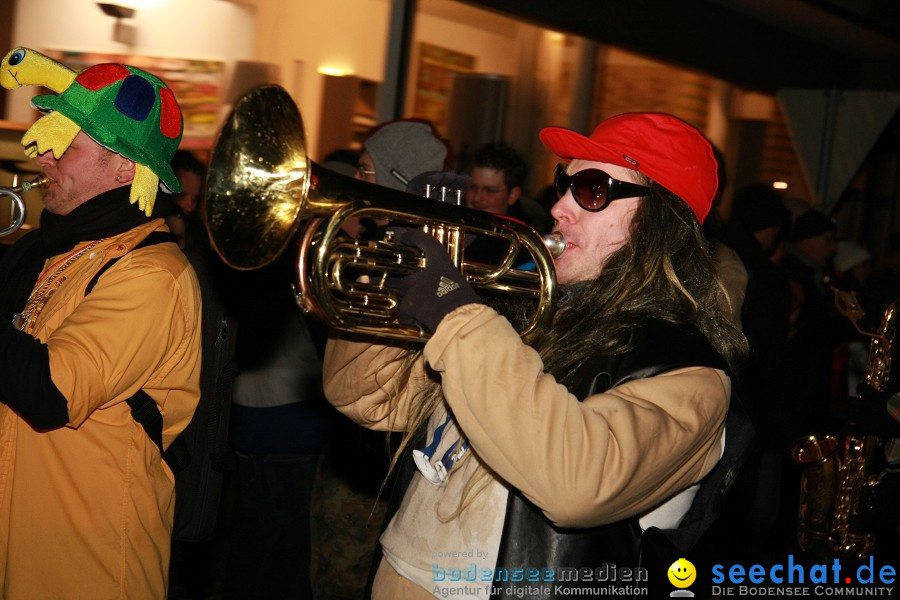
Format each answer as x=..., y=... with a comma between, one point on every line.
x=436, y=67
x=197, y=85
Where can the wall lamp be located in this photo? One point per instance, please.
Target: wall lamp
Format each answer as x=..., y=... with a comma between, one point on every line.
x=116, y=10
x=122, y=32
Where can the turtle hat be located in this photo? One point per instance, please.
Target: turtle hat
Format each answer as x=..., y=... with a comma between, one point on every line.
x=127, y=110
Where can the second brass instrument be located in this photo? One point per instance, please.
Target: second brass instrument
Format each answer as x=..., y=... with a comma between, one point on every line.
x=838, y=483
x=264, y=195
x=18, y=203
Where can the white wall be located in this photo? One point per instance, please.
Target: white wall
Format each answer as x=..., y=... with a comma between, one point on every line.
x=491, y=38
x=202, y=29
x=297, y=36
x=304, y=36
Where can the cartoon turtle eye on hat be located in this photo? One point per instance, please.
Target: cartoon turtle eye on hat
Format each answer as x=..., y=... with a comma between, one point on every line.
x=128, y=110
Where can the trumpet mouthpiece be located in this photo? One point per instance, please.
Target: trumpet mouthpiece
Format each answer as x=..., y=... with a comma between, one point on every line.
x=27, y=186
x=556, y=243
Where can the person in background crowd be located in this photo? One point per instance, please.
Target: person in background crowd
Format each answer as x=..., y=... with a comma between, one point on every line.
x=498, y=176
x=852, y=266
x=398, y=151
x=195, y=566
x=873, y=410
x=852, y=269
x=756, y=230
x=280, y=423
x=813, y=354
x=809, y=253
x=729, y=265
x=394, y=155
x=185, y=220
x=192, y=175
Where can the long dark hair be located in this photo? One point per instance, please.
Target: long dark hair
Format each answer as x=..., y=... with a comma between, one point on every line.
x=664, y=271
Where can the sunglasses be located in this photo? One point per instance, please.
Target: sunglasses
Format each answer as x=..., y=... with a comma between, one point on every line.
x=594, y=189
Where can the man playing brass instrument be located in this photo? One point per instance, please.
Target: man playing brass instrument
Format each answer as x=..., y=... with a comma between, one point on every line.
x=98, y=308
x=574, y=451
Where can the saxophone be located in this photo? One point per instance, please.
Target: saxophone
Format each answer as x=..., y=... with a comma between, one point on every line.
x=837, y=487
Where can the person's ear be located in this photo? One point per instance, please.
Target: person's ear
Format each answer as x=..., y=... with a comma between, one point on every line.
x=514, y=195
x=124, y=170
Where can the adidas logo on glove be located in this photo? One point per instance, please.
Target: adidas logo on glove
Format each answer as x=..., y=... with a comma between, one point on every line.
x=445, y=286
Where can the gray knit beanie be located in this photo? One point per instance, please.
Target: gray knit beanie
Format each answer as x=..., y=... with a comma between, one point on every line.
x=403, y=149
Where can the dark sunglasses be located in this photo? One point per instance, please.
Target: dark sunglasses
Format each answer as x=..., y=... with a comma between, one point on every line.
x=594, y=189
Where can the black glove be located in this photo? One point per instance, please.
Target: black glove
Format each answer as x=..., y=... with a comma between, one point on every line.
x=428, y=295
x=28, y=386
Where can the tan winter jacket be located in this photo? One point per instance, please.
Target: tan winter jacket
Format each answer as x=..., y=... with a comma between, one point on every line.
x=612, y=456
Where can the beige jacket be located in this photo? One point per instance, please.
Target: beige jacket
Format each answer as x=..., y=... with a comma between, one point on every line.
x=612, y=456
x=86, y=510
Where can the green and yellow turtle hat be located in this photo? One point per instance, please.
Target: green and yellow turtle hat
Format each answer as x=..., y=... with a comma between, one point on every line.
x=121, y=107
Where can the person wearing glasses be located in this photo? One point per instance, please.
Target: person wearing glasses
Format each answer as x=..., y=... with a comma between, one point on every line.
x=586, y=446
x=397, y=151
x=498, y=175
x=394, y=154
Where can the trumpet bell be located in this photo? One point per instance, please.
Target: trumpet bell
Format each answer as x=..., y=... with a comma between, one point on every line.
x=258, y=179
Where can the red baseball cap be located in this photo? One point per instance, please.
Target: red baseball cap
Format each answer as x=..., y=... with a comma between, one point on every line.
x=669, y=151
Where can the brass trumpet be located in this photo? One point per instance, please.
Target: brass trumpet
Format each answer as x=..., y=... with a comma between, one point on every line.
x=263, y=193
x=18, y=204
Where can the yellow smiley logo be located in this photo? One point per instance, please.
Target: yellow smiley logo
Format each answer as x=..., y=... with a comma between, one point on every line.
x=682, y=573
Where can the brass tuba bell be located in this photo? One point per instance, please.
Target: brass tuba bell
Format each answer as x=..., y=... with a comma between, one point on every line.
x=263, y=193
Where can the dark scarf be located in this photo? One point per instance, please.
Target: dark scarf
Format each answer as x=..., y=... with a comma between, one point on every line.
x=103, y=216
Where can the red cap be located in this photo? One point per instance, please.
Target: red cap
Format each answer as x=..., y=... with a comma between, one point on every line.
x=664, y=148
